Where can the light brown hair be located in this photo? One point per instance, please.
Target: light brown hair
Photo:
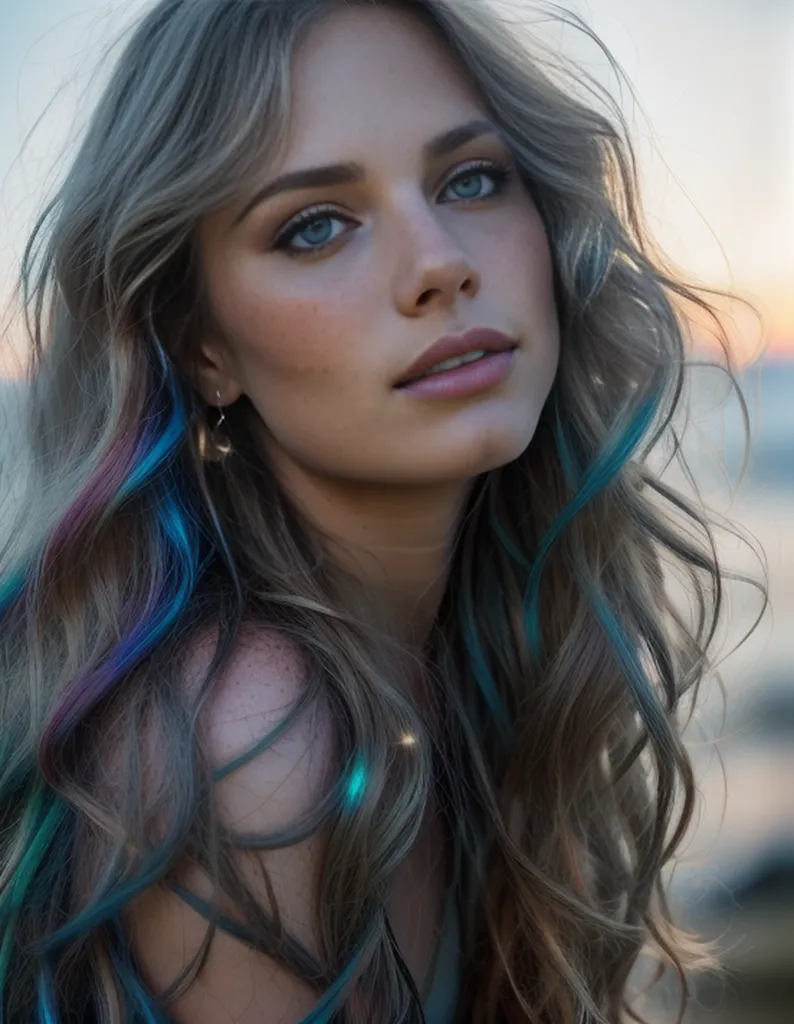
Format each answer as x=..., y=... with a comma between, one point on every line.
x=559, y=658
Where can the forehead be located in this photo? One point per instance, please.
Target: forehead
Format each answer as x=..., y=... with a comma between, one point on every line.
x=365, y=75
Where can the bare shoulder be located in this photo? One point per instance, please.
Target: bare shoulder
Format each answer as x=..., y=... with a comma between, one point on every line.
x=264, y=678
x=277, y=786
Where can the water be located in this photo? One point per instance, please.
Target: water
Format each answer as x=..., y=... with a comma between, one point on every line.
x=718, y=426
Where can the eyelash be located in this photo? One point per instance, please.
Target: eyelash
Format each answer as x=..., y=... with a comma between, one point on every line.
x=501, y=174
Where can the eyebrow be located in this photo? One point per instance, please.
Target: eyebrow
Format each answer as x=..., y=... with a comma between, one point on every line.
x=347, y=173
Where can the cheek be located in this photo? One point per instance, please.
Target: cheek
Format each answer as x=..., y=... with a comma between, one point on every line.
x=280, y=332
x=531, y=277
x=532, y=259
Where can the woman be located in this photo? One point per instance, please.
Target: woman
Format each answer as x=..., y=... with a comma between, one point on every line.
x=340, y=683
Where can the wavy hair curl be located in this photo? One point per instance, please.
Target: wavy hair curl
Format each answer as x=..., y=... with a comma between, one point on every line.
x=559, y=657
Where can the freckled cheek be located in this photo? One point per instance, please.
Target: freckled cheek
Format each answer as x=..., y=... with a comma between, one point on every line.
x=299, y=339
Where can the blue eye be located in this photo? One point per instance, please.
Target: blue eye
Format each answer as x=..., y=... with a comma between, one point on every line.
x=309, y=225
x=471, y=176
x=310, y=232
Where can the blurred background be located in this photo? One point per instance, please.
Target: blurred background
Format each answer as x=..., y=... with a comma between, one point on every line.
x=711, y=110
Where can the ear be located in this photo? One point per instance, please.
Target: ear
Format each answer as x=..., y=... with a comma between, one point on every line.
x=216, y=373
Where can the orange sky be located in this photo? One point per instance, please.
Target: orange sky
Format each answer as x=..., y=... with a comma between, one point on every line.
x=781, y=320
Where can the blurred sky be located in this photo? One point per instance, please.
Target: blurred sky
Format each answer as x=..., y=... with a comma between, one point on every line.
x=714, y=129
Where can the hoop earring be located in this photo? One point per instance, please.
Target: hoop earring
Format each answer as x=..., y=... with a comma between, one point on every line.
x=220, y=440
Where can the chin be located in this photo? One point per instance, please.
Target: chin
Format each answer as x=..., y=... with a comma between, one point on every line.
x=483, y=450
x=494, y=444
x=494, y=453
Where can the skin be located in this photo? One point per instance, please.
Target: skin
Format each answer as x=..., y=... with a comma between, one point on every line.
x=317, y=344
x=318, y=341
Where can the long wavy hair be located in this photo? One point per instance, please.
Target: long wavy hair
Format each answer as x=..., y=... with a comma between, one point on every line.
x=559, y=657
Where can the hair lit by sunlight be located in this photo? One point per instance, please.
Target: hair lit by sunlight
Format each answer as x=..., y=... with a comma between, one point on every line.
x=560, y=663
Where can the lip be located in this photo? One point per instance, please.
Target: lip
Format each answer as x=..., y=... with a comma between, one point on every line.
x=452, y=346
x=465, y=381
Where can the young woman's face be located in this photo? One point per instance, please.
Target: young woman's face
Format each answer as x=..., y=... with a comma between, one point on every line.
x=318, y=324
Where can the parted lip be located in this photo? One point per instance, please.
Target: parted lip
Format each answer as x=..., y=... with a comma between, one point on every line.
x=451, y=346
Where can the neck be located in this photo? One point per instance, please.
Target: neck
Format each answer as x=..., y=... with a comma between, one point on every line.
x=396, y=541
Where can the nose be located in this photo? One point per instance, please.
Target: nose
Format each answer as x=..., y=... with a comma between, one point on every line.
x=435, y=269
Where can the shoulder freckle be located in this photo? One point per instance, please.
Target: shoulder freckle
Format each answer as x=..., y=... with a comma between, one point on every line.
x=262, y=680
